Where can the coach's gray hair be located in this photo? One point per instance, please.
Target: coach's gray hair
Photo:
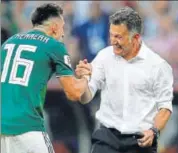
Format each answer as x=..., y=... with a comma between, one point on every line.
x=130, y=18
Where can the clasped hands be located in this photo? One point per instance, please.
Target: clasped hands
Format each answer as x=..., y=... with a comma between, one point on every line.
x=83, y=69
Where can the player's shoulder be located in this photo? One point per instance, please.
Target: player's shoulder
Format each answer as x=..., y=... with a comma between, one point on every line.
x=56, y=45
x=57, y=48
x=9, y=40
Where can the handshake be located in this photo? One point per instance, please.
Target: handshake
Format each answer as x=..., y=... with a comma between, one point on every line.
x=83, y=69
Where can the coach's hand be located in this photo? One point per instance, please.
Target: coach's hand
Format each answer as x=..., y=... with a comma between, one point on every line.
x=83, y=68
x=147, y=140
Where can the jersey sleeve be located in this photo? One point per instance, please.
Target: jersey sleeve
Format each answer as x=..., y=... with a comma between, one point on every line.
x=61, y=60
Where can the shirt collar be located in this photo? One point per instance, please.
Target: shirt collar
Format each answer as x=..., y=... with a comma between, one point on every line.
x=142, y=53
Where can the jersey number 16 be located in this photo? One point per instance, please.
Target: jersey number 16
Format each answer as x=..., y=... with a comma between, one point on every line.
x=13, y=79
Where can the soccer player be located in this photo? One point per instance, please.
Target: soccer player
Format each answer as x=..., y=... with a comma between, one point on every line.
x=29, y=59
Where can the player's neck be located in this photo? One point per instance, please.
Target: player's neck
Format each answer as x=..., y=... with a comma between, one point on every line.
x=41, y=29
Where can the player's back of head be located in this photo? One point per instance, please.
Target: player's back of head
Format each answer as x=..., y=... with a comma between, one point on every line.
x=43, y=12
x=49, y=19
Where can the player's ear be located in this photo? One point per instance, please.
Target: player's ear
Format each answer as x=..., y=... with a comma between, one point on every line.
x=54, y=28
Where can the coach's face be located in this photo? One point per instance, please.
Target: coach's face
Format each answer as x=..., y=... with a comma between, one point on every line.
x=120, y=39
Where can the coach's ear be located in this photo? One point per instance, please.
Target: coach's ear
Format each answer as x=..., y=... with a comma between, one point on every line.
x=137, y=37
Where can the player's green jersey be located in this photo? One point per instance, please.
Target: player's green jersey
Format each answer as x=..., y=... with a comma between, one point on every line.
x=28, y=60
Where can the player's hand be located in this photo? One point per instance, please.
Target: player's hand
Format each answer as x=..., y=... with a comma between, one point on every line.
x=83, y=68
x=147, y=140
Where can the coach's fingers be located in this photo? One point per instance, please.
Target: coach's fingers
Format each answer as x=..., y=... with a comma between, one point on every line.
x=81, y=62
x=145, y=138
x=82, y=71
x=147, y=134
x=85, y=66
x=85, y=61
x=147, y=143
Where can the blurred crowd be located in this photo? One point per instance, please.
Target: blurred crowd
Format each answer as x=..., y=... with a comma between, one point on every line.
x=86, y=32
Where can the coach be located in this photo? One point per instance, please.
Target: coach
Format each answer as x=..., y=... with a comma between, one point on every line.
x=136, y=89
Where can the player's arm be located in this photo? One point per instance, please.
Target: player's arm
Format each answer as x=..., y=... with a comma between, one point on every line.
x=87, y=96
x=85, y=69
x=73, y=87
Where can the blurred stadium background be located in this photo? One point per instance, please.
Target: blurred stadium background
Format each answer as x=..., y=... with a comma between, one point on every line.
x=86, y=32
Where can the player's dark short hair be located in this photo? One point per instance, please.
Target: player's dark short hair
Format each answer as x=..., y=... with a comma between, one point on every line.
x=44, y=12
x=129, y=17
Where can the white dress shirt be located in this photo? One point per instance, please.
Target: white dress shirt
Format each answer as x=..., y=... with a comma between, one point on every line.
x=132, y=92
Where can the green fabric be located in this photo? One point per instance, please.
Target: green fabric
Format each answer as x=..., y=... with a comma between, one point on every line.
x=23, y=95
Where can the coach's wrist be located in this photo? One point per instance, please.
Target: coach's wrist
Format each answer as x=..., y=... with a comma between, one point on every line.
x=156, y=132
